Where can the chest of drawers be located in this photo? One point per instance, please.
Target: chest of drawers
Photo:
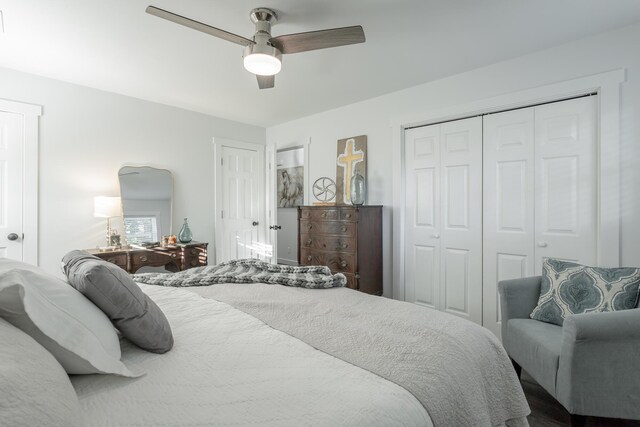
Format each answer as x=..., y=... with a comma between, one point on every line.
x=346, y=239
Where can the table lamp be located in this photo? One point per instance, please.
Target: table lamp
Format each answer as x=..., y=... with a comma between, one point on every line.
x=107, y=207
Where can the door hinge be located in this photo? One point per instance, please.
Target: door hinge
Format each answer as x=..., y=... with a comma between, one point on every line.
x=221, y=214
x=222, y=161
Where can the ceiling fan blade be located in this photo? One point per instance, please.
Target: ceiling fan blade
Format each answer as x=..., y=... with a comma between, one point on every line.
x=322, y=39
x=217, y=32
x=266, y=82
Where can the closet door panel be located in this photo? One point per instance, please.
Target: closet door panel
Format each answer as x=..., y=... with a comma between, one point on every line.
x=461, y=231
x=566, y=198
x=422, y=220
x=508, y=240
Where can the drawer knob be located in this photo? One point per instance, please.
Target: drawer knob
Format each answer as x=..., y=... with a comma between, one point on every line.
x=113, y=260
x=309, y=227
x=309, y=242
x=194, y=263
x=343, y=264
x=144, y=258
x=309, y=258
x=343, y=228
x=345, y=246
x=194, y=252
x=348, y=215
x=173, y=255
x=323, y=214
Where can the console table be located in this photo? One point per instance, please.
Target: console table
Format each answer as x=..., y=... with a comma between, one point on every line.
x=174, y=258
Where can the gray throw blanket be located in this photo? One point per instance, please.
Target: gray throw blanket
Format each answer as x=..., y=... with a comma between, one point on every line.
x=458, y=370
x=247, y=271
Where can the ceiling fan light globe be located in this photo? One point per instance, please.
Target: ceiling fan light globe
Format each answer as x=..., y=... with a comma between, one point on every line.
x=262, y=64
x=262, y=59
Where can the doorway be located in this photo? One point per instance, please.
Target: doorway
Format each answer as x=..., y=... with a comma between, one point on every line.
x=240, y=204
x=19, y=181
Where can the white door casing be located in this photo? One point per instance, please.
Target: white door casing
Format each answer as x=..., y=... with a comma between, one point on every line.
x=11, y=185
x=539, y=192
x=444, y=217
x=240, y=201
x=271, y=203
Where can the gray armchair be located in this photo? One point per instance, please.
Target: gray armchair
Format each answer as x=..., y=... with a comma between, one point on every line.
x=590, y=364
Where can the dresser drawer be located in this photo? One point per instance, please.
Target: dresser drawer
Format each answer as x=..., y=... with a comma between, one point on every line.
x=321, y=214
x=154, y=258
x=120, y=260
x=342, y=263
x=330, y=227
x=348, y=214
x=328, y=243
x=195, y=256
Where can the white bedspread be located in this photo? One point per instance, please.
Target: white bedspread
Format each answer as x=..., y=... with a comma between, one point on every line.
x=228, y=368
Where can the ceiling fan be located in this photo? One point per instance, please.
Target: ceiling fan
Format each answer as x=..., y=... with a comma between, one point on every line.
x=262, y=54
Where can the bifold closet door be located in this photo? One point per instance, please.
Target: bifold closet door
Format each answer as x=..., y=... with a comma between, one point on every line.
x=539, y=192
x=443, y=224
x=509, y=226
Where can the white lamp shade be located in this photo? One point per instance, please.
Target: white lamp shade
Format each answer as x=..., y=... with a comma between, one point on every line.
x=106, y=207
x=262, y=65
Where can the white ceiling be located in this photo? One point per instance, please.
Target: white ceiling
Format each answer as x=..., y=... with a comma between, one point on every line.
x=115, y=46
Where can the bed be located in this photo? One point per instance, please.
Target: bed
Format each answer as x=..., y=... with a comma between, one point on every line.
x=255, y=354
x=246, y=354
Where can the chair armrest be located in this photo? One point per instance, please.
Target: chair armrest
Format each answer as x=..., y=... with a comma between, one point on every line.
x=518, y=298
x=597, y=372
x=608, y=326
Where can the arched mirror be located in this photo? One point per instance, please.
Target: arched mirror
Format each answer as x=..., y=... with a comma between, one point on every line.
x=147, y=203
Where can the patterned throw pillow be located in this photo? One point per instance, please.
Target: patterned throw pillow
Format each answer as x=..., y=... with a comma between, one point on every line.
x=569, y=288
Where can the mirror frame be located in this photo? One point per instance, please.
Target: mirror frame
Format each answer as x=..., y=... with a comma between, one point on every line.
x=148, y=166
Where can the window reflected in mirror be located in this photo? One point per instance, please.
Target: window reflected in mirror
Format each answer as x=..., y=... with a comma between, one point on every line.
x=147, y=202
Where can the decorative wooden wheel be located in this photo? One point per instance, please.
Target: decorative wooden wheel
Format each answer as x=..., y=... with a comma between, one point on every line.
x=324, y=189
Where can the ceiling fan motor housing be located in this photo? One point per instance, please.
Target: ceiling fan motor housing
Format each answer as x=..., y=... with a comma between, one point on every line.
x=262, y=18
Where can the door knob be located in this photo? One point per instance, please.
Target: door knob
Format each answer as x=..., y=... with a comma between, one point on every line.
x=254, y=223
x=13, y=236
x=542, y=244
x=275, y=227
x=435, y=236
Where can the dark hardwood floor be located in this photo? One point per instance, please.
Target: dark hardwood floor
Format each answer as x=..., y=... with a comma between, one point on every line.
x=547, y=412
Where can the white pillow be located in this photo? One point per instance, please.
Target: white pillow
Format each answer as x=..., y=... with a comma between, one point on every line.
x=34, y=389
x=60, y=319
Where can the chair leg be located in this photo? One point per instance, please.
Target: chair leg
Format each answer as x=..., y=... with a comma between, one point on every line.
x=578, y=420
x=517, y=367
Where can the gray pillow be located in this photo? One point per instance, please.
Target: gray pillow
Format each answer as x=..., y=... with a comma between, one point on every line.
x=112, y=290
x=569, y=288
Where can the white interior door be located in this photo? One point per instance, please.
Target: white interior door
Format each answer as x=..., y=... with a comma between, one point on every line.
x=461, y=246
x=566, y=181
x=443, y=242
x=540, y=180
x=11, y=185
x=422, y=222
x=508, y=241
x=240, y=200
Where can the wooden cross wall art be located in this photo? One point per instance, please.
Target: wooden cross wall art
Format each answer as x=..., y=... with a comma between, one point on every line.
x=352, y=156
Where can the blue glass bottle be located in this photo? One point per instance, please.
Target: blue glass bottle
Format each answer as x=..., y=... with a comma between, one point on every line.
x=185, y=233
x=358, y=189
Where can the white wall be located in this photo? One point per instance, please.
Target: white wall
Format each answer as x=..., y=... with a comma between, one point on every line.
x=607, y=51
x=86, y=135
